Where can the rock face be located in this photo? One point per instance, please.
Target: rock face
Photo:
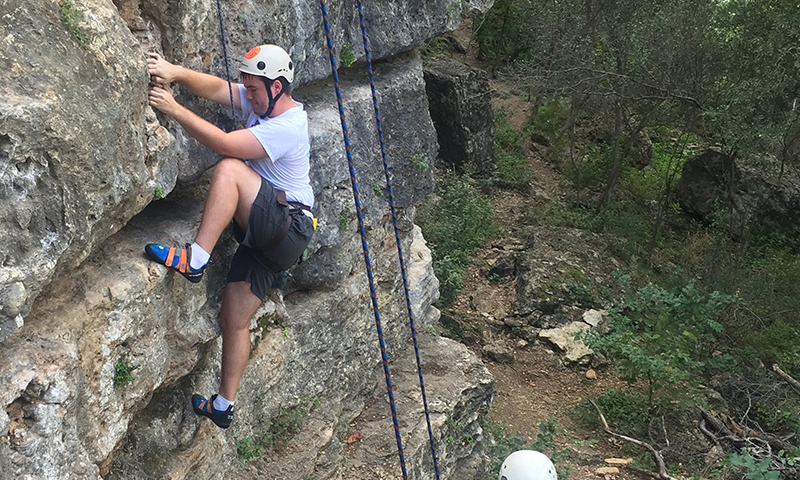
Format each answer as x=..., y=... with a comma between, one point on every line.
x=462, y=113
x=744, y=193
x=100, y=349
x=82, y=152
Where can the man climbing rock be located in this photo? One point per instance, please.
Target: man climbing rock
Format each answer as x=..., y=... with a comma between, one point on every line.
x=261, y=184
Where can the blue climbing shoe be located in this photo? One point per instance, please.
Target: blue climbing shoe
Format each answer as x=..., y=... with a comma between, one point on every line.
x=178, y=258
x=205, y=408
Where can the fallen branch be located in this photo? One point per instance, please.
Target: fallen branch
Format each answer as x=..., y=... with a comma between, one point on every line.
x=662, y=468
x=741, y=435
x=794, y=383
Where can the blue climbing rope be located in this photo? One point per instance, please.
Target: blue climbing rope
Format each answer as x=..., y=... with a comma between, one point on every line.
x=364, y=245
x=397, y=234
x=227, y=68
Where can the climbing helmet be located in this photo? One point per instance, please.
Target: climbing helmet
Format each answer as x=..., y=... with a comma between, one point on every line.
x=270, y=61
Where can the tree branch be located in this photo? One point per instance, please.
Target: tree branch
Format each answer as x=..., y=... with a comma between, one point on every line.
x=662, y=468
x=794, y=383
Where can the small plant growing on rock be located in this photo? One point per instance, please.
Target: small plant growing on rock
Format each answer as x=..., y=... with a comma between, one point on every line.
x=343, y=220
x=159, y=193
x=347, y=57
x=418, y=159
x=122, y=372
x=70, y=16
x=248, y=449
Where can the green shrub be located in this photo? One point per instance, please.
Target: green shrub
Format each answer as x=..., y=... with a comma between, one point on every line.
x=666, y=339
x=506, y=35
x=551, y=117
x=780, y=343
x=511, y=163
x=593, y=166
x=455, y=227
x=756, y=470
x=625, y=410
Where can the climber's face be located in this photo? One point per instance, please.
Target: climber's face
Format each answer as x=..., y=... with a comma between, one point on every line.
x=256, y=93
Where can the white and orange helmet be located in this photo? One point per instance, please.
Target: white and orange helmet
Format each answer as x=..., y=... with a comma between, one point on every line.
x=270, y=61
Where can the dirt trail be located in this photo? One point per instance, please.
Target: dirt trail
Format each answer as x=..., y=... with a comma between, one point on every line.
x=537, y=386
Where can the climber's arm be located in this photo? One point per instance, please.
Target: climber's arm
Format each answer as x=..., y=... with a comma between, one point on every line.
x=237, y=144
x=201, y=84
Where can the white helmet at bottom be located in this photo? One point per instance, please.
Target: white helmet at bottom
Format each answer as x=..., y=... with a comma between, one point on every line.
x=527, y=465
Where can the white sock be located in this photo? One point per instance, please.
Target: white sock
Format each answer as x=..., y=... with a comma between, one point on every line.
x=221, y=403
x=199, y=257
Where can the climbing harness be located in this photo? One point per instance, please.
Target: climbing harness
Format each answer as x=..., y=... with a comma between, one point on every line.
x=364, y=238
x=227, y=68
x=397, y=234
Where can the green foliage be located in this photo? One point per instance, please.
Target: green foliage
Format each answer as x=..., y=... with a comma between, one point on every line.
x=344, y=220
x=453, y=8
x=627, y=411
x=123, y=373
x=159, y=193
x=511, y=164
x=780, y=343
x=248, y=449
x=592, y=169
x=757, y=87
x=418, y=159
x=778, y=416
x=70, y=17
x=766, y=279
x=667, y=339
x=376, y=187
x=551, y=117
x=455, y=227
x=508, y=33
x=347, y=57
x=756, y=470
x=287, y=422
x=435, y=46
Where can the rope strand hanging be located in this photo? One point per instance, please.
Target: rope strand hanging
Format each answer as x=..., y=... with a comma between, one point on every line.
x=227, y=68
x=397, y=235
x=364, y=245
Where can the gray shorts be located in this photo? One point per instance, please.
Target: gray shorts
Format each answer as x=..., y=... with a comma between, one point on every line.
x=261, y=267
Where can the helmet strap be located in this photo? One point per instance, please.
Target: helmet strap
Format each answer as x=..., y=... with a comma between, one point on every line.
x=272, y=100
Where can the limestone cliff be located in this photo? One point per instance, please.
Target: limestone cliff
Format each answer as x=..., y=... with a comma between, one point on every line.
x=83, y=160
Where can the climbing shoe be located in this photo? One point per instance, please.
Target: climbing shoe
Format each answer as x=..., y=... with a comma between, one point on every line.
x=204, y=407
x=280, y=279
x=178, y=258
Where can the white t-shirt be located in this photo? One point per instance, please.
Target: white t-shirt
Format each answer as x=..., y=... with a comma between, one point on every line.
x=285, y=139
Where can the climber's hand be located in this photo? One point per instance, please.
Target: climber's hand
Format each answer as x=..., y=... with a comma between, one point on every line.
x=161, y=71
x=162, y=99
